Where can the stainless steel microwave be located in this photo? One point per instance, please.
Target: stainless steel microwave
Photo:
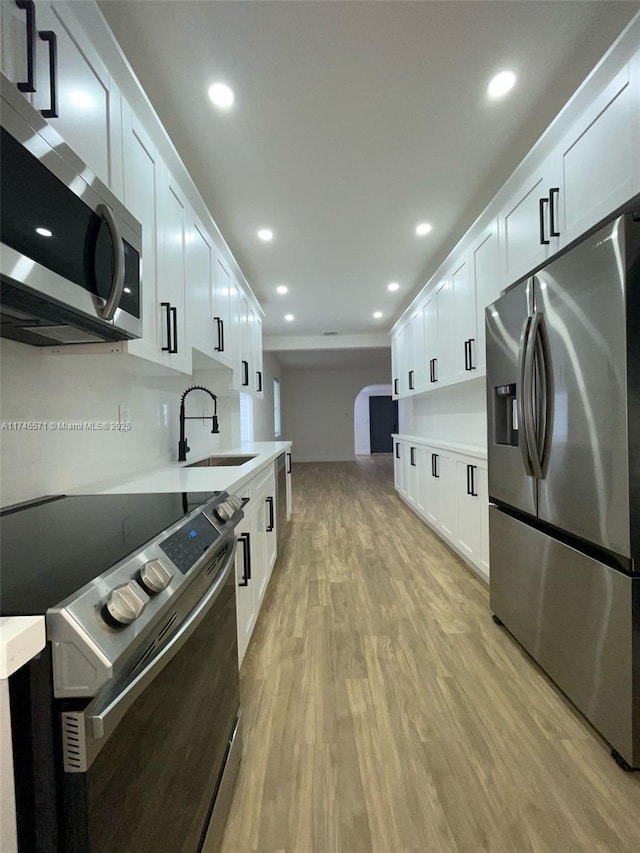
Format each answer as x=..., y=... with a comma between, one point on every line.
x=70, y=253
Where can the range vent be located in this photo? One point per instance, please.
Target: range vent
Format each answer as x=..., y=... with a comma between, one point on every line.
x=167, y=626
x=143, y=657
x=73, y=743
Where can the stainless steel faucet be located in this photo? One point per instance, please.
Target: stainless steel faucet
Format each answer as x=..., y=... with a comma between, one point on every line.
x=183, y=447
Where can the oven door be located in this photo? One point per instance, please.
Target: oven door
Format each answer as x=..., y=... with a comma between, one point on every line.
x=143, y=764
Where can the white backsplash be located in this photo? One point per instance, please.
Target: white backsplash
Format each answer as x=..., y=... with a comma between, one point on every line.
x=38, y=387
x=456, y=413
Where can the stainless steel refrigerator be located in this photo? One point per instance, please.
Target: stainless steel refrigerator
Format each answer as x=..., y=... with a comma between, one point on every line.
x=563, y=401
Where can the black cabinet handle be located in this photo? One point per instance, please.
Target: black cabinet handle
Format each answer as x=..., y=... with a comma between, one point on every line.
x=431, y=370
x=468, y=355
x=174, y=315
x=397, y=450
x=412, y=457
x=288, y=463
x=220, y=332
x=472, y=366
x=434, y=466
x=411, y=383
x=50, y=36
x=395, y=387
x=471, y=485
x=541, y=209
x=259, y=378
x=245, y=372
x=245, y=538
x=28, y=6
x=433, y=367
x=167, y=307
x=271, y=523
x=553, y=193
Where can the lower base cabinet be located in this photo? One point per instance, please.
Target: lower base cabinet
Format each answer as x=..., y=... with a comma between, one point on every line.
x=450, y=492
x=256, y=553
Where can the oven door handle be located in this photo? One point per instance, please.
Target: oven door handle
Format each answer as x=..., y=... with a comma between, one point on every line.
x=99, y=719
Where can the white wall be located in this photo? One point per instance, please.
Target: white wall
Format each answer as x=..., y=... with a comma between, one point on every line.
x=456, y=413
x=318, y=411
x=263, y=409
x=361, y=416
x=39, y=387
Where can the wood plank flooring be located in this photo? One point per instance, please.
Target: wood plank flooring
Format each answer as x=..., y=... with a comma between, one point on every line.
x=385, y=712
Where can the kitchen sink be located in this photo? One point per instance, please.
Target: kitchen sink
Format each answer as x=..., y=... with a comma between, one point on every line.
x=220, y=461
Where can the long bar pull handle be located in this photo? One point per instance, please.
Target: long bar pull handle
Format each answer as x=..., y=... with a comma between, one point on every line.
x=219, y=346
x=435, y=369
x=554, y=192
x=411, y=383
x=288, y=463
x=521, y=395
x=471, y=342
x=544, y=366
x=435, y=459
x=471, y=485
x=245, y=372
x=259, y=380
x=110, y=306
x=271, y=522
x=397, y=450
x=167, y=308
x=541, y=213
x=395, y=387
x=530, y=401
x=221, y=335
x=28, y=6
x=412, y=457
x=174, y=315
x=246, y=571
x=50, y=36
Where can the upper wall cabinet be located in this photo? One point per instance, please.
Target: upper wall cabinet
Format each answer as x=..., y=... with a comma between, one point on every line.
x=600, y=157
x=485, y=270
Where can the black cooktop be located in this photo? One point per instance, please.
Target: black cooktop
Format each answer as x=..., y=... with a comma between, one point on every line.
x=51, y=548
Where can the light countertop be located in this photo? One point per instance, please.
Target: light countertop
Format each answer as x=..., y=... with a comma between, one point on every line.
x=176, y=477
x=455, y=447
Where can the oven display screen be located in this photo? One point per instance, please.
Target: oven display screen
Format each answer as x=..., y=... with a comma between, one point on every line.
x=188, y=544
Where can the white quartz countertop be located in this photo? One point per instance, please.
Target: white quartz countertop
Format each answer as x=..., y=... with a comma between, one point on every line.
x=21, y=638
x=178, y=478
x=455, y=447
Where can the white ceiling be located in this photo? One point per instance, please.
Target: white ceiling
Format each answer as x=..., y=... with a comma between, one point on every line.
x=353, y=122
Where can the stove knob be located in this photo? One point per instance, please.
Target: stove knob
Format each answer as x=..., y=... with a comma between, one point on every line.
x=126, y=603
x=224, y=512
x=155, y=576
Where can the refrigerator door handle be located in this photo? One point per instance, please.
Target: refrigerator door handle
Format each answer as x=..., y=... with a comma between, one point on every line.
x=530, y=420
x=545, y=383
x=521, y=397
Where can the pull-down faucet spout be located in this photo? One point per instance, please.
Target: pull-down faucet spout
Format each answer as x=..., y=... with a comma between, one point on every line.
x=183, y=447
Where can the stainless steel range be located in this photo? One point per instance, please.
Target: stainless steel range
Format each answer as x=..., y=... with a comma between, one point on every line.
x=126, y=729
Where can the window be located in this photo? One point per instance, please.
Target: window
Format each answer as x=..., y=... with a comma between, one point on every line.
x=277, y=427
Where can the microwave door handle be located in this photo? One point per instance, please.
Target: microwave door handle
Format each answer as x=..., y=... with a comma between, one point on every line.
x=108, y=310
x=521, y=397
x=100, y=719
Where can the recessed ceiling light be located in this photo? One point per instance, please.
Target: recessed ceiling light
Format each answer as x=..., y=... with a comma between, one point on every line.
x=393, y=285
x=44, y=232
x=265, y=234
x=282, y=288
x=501, y=84
x=289, y=317
x=423, y=229
x=221, y=95
x=377, y=314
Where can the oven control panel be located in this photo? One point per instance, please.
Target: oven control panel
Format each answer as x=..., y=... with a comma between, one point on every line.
x=189, y=543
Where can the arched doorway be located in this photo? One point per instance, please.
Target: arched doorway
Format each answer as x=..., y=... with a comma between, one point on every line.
x=377, y=415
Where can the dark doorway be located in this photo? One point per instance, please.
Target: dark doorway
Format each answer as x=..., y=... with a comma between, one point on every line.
x=383, y=420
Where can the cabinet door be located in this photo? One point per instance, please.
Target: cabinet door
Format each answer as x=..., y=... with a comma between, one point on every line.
x=223, y=331
x=483, y=494
x=259, y=567
x=486, y=277
x=448, y=519
x=431, y=497
x=13, y=41
x=412, y=469
x=423, y=479
x=405, y=459
x=462, y=330
x=526, y=224
x=418, y=376
x=402, y=363
x=141, y=180
x=430, y=323
x=202, y=328
x=272, y=529
x=256, y=352
x=172, y=274
x=397, y=466
x=395, y=368
x=245, y=609
x=289, y=487
x=445, y=308
x=88, y=102
x=600, y=159
x=469, y=538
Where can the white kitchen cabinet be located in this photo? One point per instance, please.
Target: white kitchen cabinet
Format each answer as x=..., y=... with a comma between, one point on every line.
x=485, y=270
x=448, y=504
x=417, y=375
x=529, y=222
x=483, y=493
x=600, y=158
x=422, y=478
x=443, y=369
x=405, y=461
x=410, y=473
x=398, y=470
x=271, y=527
x=400, y=383
x=199, y=278
x=289, y=489
x=172, y=272
x=246, y=599
x=223, y=332
x=462, y=330
x=14, y=38
x=395, y=366
x=469, y=534
x=255, y=352
x=87, y=107
x=430, y=326
x=142, y=167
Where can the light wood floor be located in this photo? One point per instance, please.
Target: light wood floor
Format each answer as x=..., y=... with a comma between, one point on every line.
x=384, y=710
